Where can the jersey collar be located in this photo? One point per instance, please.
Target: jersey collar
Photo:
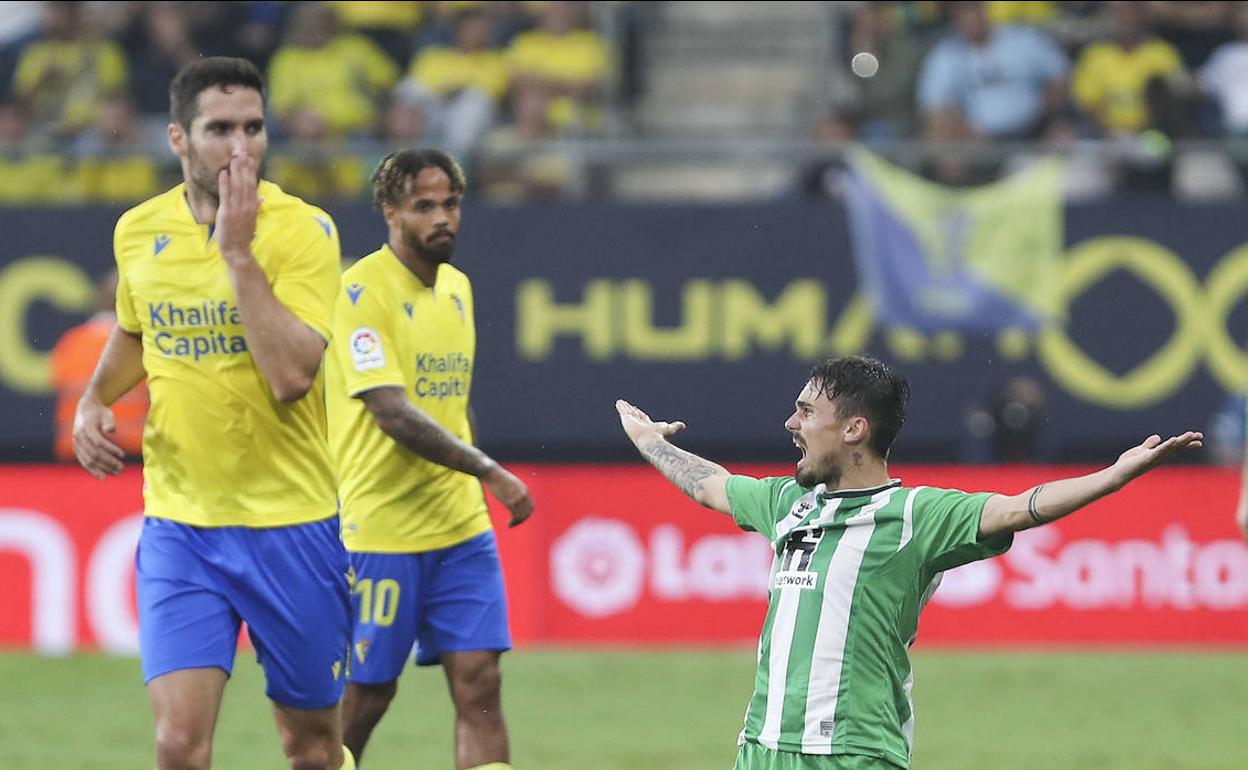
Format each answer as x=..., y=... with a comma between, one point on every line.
x=827, y=494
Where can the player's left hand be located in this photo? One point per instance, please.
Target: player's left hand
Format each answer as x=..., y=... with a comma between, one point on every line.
x=1150, y=453
x=637, y=424
x=238, y=207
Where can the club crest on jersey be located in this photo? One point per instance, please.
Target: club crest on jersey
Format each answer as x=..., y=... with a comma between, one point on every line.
x=366, y=352
x=354, y=291
x=159, y=244
x=459, y=305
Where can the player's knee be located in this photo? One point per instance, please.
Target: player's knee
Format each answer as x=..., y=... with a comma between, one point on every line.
x=320, y=755
x=477, y=687
x=183, y=749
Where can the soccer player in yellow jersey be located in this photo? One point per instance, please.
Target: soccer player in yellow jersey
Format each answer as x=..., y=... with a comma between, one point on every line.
x=414, y=518
x=224, y=298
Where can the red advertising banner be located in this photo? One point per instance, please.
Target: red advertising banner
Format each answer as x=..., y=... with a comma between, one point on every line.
x=615, y=555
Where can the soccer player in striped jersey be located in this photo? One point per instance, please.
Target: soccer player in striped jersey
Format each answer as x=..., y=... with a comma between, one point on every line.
x=857, y=557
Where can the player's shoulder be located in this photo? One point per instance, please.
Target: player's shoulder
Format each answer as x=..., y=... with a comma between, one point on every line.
x=155, y=210
x=370, y=266
x=367, y=278
x=294, y=211
x=453, y=275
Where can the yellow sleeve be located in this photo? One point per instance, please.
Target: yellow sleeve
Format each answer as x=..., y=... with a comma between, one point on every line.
x=1166, y=58
x=428, y=69
x=283, y=96
x=524, y=55
x=305, y=282
x=30, y=68
x=379, y=68
x=363, y=341
x=127, y=318
x=113, y=69
x=1086, y=84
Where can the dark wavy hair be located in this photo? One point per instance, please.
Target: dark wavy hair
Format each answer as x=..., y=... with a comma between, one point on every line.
x=212, y=72
x=866, y=387
x=390, y=177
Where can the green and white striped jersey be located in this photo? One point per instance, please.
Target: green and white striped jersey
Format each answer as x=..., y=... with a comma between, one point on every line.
x=853, y=568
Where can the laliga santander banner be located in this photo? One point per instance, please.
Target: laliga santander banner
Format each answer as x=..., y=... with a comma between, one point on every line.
x=615, y=555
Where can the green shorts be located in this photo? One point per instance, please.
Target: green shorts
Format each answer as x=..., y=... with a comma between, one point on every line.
x=752, y=756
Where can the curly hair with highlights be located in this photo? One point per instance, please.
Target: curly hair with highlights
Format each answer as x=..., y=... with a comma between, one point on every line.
x=395, y=173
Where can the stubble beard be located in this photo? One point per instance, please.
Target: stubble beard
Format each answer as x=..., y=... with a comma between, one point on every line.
x=824, y=470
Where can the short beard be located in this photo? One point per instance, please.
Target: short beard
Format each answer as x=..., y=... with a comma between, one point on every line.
x=432, y=253
x=827, y=471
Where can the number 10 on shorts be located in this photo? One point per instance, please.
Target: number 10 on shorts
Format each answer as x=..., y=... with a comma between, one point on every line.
x=379, y=602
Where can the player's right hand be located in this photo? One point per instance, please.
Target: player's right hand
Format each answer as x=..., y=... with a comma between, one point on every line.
x=511, y=492
x=93, y=424
x=637, y=424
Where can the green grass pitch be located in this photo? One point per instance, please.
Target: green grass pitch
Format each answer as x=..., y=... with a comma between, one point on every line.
x=630, y=709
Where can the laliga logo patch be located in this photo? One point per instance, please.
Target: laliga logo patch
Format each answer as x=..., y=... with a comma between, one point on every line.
x=366, y=350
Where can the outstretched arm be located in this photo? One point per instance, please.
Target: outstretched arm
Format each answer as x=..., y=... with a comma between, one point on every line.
x=404, y=422
x=1054, y=499
x=700, y=479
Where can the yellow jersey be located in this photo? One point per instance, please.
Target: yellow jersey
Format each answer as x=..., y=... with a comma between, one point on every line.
x=219, y=449
x=391, y=330
x=1109, y=82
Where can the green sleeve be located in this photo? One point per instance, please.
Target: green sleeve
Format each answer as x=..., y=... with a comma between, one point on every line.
x=757, y=504
x=946, y=528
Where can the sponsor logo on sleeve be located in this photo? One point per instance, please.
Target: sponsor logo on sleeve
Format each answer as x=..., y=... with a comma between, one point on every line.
x=366, y=350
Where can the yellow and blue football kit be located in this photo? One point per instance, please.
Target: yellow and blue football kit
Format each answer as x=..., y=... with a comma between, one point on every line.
x=239, y=488
x=418, y=533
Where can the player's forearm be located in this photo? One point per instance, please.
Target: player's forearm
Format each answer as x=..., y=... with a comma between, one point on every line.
x=286, y=350
x=119, y=369
x=420, y=433
x=697, y=477
x=1046, y=502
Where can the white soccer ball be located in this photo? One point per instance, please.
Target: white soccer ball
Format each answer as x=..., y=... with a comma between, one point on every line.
x=864, y=64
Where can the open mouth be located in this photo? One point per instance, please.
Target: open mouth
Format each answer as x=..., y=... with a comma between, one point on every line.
x=800, y=448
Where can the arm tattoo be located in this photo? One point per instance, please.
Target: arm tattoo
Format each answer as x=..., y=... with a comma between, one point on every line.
x=1031, y=506
x=426, y=437
x=684, y=469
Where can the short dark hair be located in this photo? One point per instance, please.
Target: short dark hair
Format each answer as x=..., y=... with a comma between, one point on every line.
x=390, y=177
x=867, y=387
x=202, y=74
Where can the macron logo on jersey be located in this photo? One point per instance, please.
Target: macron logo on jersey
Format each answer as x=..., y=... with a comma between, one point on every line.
x=324, y=223
x=407, y=306
x=159, y=244
x=459, y=305
x=354, y=291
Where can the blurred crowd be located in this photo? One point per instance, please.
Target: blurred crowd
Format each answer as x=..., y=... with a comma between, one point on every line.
x=84, y=85
x=1137, y=77
x=83, y=88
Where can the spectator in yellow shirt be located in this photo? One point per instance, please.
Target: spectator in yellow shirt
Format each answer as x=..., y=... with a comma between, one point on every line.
x=1115, y=80
x=66, y=72
x=456, y=90
x=324, y=83
x=557, y=71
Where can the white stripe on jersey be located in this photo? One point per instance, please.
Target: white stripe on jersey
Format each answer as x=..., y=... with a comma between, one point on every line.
x=907, y=518
x=782, y=627
x=907, y=729
x=829, y=652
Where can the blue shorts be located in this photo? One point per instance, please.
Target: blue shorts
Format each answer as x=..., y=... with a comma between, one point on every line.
x=196, y=584
x=449, y=600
